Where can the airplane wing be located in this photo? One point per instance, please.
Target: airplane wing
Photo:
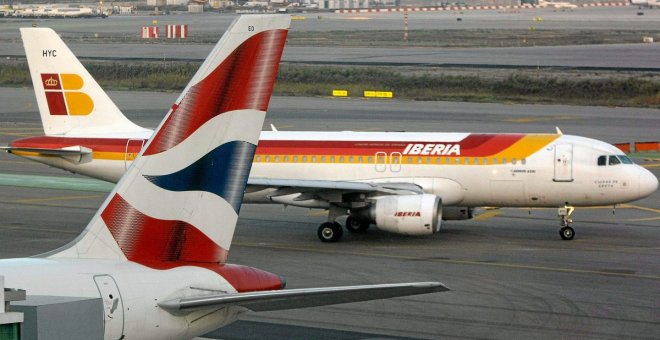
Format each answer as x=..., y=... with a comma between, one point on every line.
x=68, y=151
x=289, y=186
x=301, y=298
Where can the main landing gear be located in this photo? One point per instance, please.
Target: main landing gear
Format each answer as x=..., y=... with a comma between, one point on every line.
x=332, y=231
x=566, y=232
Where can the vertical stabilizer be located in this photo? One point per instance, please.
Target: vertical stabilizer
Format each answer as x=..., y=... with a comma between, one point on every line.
x=179, y=202
x=70, y=100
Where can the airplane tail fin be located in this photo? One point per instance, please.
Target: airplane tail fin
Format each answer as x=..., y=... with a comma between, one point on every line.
x=179, y=202
x=70, y=100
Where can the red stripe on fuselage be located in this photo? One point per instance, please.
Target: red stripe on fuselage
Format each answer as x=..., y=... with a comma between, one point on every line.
x=167, y=244
x=475, y=145
x=236, y=84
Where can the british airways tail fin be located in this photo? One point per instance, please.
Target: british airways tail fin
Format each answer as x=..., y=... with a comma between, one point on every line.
x=70, y=101
x=179, y=202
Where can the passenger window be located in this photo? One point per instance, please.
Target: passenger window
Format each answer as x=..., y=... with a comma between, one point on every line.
x=447, y=160
x=410, y=160
x=360, y=159
x=457, y=160
x=332, y=159
x=614, y=160
x=523, y=161
x=341, y=159
x=476, y=161
x=322, y=159
x=258, y=158
x=438, y=160
x=351, y=159
x=295, y=159
x=304, y=159
x=503, y=160
x=286, y=158
x=494, y=160
x=485, y=161
x=514, y=161
x=313, y=159
x=467, y=161
x=276, y=159
x=267, y=159
x=625, y=159
x=602, y=160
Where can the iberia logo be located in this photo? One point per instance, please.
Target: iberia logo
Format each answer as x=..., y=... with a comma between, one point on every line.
x=63, y=95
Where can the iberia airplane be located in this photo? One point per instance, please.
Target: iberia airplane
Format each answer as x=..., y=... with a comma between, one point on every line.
x=403, y=183
x=156, y=250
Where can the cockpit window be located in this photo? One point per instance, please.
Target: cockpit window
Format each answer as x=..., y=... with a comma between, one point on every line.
x=602, y=160
x=614, y=160
x=625, y=159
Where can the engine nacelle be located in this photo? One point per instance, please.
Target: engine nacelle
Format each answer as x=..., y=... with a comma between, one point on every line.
x=457, y=213
x=408, y=215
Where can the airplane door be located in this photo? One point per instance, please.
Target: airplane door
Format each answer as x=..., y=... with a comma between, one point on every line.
x=113, y=308
x=563, y=163
x=133, y=148
x=395, y=161
x=381, y=161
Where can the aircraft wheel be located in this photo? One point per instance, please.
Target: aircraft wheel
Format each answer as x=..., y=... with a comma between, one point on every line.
x=567, y=233
x=330, y=232
x=356, y=225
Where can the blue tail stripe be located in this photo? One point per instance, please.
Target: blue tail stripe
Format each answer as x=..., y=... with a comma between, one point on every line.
x=223, y=171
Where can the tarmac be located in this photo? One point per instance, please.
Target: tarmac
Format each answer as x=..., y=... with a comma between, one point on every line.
x=510, y=273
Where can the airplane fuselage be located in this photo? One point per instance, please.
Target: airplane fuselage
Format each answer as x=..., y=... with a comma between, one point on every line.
x=130, y=293
x=503, y=170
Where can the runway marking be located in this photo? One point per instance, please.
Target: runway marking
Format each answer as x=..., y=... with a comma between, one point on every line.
x=317, y=212
x=53, y=182
x=651, y=166
x=458, y=262
x=57, y=198
x=488, y=215
x=632, y=206
x=22, y=228
x=19, y=162
x=644, y=219
x=538, y=119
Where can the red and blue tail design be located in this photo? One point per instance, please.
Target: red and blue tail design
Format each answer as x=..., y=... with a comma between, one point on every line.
x=178, y=203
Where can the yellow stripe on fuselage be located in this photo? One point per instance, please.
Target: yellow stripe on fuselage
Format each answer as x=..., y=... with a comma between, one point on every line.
x=526, y=146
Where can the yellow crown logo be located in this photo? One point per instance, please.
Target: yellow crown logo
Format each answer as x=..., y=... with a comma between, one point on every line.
x=50, y=82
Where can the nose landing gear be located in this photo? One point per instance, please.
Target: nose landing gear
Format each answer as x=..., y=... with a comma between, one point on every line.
x=566, y=232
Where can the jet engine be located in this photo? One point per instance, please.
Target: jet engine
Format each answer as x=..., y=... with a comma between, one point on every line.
x=408, y=214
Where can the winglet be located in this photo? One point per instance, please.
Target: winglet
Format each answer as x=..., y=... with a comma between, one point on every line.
x=273, y=128
x=558, y=131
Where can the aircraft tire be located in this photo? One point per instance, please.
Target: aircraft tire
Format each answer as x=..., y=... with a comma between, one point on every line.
x=567, y=233
x=330, y=232
x=356, y=225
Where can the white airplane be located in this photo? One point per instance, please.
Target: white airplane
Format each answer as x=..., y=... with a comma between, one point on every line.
x=557, y=4
x=156, y=250
x=405, y=183
x=645, y=3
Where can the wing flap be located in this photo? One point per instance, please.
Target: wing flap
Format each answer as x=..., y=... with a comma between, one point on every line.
x=301, y=298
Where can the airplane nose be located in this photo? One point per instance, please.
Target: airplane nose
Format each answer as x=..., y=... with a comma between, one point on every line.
x=648, y=183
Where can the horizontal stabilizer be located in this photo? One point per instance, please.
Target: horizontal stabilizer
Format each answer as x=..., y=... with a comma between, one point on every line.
x=301, y=298
x=68, y=151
